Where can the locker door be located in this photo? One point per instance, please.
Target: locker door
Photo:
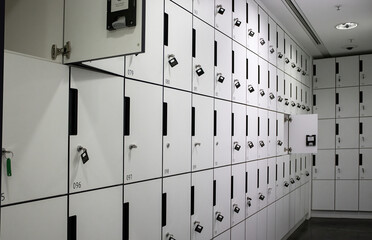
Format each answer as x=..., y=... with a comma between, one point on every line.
x=96, y=214
x=223, y=66
x=176, y=132
x=238, y=133
x=32, y=148
x=298, y=134
x=142, y=207
x=326, y=132
x=292, y=95
x=287, y=94
x=347, y=133
x=148, y=66
x=280, y=48
x=347, y=102
x=251, y=189
x=262, y=133
x=272, y=41
x=176, y=200
x=271, y=132
x=223, y=16
x=307, y=197
x=365, y=164
x=271, y=222
x=262, y=224
x=279, y=177
x=201, y=205
x=347, y=74
x=282, y=217
x=238, y=194
x=287, y=54
x=223, y=236
x=291, y=173
x=186, y=4
x=203, y=68
x=222, y=133
x=365, y=130
x=271, y=180
x=346, y=197
x=239, y=83
x=238, y=232
x=221, y=200
x=292, y=209
x=177, y=47
x=239, y=27
x=94, y=91
x=298, y=205
x=280, y=91
x=365, y=100
x=263, y=73
x=251, y=133
x=272, y=88
x=365, y=203
x=297, y=175
x=252, y=25
x=365, y=71
x=29, y=220
x=204, y=10
x=324, y=101
x=324, y=165
x=202, y=132
x=347, y=164
x=263, y=31
x=143, y=131
x=324, y=73
x=308, y=159
x=251, y=228
x=287, y=174
x=262, y=188
x=323, y=195
x=280, y=140
x=252, y=88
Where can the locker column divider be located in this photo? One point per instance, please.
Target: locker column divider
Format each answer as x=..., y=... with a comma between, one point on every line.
x=2, y=26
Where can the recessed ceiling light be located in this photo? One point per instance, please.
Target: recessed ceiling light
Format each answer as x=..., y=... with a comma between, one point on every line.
x=346, y=26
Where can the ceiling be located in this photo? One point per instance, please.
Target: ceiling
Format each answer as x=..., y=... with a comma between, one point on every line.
x=322, y=16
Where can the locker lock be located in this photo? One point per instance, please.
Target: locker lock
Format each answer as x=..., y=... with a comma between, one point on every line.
x=250, y=88
x=299, y=105
x=298, y=69
x=237, y=146
x=286, y=60
x=199, y=70
x=220, y=9
x=170, y=236
x=236, y=208
x=280, y=55
x=262, y=41
x=198, y=228
x=250, y=144
x=261, y=197
x=237, y=83
x=280, y=99
x=307, y=174
x=288, y=150
x=293, y=104
x=132, y=146
x=286, y=184
x=280, y=143
x=197, y=144
x=219, y=217
x=84, y=154
x=303, y=107
x=250, y=32
x=286, y=102
x=303, y=73
x=292, y=181
x=271, y=96
x=262, y=92
x=272, y=50
x=298, y=178
x=249, y=201
x=4, y=153
x=308, y=109
x=172, y=60
x=293, y=65
x=237, y=22
x=220, y=78
x=262, y=144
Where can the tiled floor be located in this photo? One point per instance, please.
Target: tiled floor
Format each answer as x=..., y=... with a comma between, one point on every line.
x=334, y=229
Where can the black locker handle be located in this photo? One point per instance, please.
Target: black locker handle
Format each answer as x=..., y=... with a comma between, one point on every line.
x=246, y=125
x=192, y=200
x=72, y=228
x=126, y=116
x=246, y=11
x=246, y=182
x=232, y=124
x=215, y=53
x=215, y=123
x=126, y=221
x=360, y=159
x=193, y=43
x=232, y=187
x=166, y=28
x=214, y=192
x=336, y=160
x=73, y=112
x=337, y=98
x=337, y=129
x=361, y=97
x=314, y=163
x=193, y=121
x=268, y=175
x=164, y=210
x=314, y=70
x=360, y=65
x=360, y=128
x=233, y=62
x=246, y=68
x=337, y=68
x=259, y=23
x=276, y=172
x=233, y=5
x=314, y=100
x=165, y=119
x=258, y=178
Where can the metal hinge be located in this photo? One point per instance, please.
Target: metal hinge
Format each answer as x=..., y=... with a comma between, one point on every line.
x=66, y=50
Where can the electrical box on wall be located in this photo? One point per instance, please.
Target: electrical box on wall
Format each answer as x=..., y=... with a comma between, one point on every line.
x=303, y=130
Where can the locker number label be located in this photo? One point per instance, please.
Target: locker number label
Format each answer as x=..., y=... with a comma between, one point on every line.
x=76, y=185
x=129, y=177
x=167, y=81
x=130, y=72
x=2, y=197
x=166, y=171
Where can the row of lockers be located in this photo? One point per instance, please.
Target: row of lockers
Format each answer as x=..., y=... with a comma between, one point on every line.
x=342, y=72
x=215, y=199
x=345, y=133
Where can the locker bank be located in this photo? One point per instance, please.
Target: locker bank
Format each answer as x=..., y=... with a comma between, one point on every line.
x=184, y=119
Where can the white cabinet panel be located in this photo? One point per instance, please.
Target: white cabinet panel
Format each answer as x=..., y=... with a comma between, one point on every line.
x=251, y=194
x=280, y=87
x=365, y=70
x=324, y=165
x=271, y=132
x=280, y=48
x=239, y=77
x=263, y=94
x=96, y=214
x=307, y=198
x=279, y=177
x=29, y=220
x=347, y=71
x=262, y=133
x=204, y=9
x=287, y=54
x=324, y=101
x=239, y=132
x=299, y=210
x=142, y=207
x=298, y=135
x=347, y=102
x=326, y=133
x=176, y=132
x=365, y=99
x=271, y=180
x=222, y=133
x=272, y=41
x=365, y=195
x=104, y=92
x=292, y=209
x=282, y=217
x=238, y=232
x=324, y=73
x=271, y=222
x=35, y=141
x=347, y=162
x=239, y=26
x=223, y=236
x=252, y=88
x=262, y=183
x=365, y=164
x=238, y=194
x=252, y=26
x=262, y=224
x=347, y=133
x=281, y=142
x=202, y=132
x=223, y=66
x=114, y=65
x=251, y=228
x=272, y=81
x=223, y=16
x=263, y=31
x=252, y=133
x=323, y=195
x=178, y=46
x=142, y=131
x=365, y=131
x=186, y=4
x=346, y=197
x=176, y=200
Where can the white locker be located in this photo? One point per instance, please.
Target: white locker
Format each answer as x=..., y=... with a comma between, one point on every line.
x=201, y=205
x=176, y=200
x=221, y=199
x=238, y=232
x=148, y=66
x=203, y=63
x=324, y=73
x=272, y=41
x=223, y=16
x=324, y=165
x=282, y=217
x=262, y=133
x=326, y=133
x=45, y=219
x=323, y=195
x=262, y=224
x=202, y=132
x=96, y=214
x=347, y=71
x=365, y=195
x=262, y=188
x=238, y=194
x=176, y=132
x=251, y=227
x=299, y=136
x=271, y=132
x=186, y=4
x=35, y=143
x=263, y=94
x=287, y=54
x=222, y=133
x=238, y=133
x=292, y=209
x=347, y=102
x=279, y=177
x=91, y=164
x=239, y=26
x=271, y=220
x=239, y=70
x=142, y=131
x=295, y=160
x=223, y=66
x=252, y=88
x=263, y=31
x=280, y=87
x=346, y=196
x=365, y=131
x=291, y=173
x=204, y=10
x=308, y=164
x=224, y=236
x=271, y=180
x=365, y=71
x=299, y=208
x=307, y=198
x=272, y=87
x=324, y=101
x=281, y=141
x=365, y=100
x=280, y=48
x=347, y=162
x=142, y=207
x=347, y=133
x=287, y=174
x=292, y=95
x=365, y=164
x=251, y=189
x=177, y=46
x=287, y=94
x=251, y=134
x=252, y=25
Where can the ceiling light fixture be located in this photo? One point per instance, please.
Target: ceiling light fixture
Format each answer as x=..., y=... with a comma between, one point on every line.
x=346, y=26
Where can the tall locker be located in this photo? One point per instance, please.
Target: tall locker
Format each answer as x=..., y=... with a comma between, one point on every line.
x=280, y=91
x=365, y=164
x=263, y=78
x=272, y=81
x=238, y=133
x=271, y=37
x=238, y=194
x=263, y=32
x=347, y=102
x=324, y=73
x=222, y=133
x=365, y=101
x=251, y=133
x=323, y=195
x=271, y=180
x=347, y=133
x=347, y=162
x=324, y=101
x=262, y=189
x=365, y=193
x=271, y=134
x=347, y=71
x=239, y=70
x=365, y=131
x=239, y=27
x=238, y=231
x=204, y=10
x=324, y=165
x=280, y=48
x=252, y=25
x=326, y=133
x=252, y=83
x=223, y=66
x=346, y=195
x=223, y=16
x=262, y=127
x=281, y=141
x=251, y=188
x=365, y=70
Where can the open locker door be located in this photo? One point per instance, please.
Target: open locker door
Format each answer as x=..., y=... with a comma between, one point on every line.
x=303, y=132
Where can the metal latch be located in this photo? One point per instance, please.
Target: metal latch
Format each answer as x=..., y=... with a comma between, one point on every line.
x=66, y=51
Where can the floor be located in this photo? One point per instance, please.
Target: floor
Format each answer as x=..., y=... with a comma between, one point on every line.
x=334, y=229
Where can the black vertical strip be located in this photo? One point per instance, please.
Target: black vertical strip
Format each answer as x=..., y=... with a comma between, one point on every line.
x=165, y=119
x=314, y=70
x=268, y=175
x=215, y=53
x=361, y=66
x=277, y=83
x=305, y=163
x=290, y=167
x=73, y=112
x=360, y=128
x=214, y=192
x=126, y=116
x=284, y=87
x=192, y=200
x=233, y=62
x=246, y=11
x=268, y=79
x=360, y=97
x=295, y=165
x=126, y=221
x=337, y=129
x=337, y=98
x=284, y=46
x=164, y=210
x=277, y=39
x=193, y=43
x=268, y=127
x=246, y=182
x=215, y=123
x=232, y=187
x=246, y=68
x=314, y=100
x=276, y=172
x=166, y=28
x=314, y=163
x=277, y=126
x=300, y=164
x=259, y=23
x=72, y=227
x=232, y=124
x=360, y=159
x=233, y=5
x=268, y=32
x=259, y=74
x=258, y=127
x=193, y=121
x=283, y=169
x=336, y=160
x=246, y=125
x=337, y=68
x=258, y=178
